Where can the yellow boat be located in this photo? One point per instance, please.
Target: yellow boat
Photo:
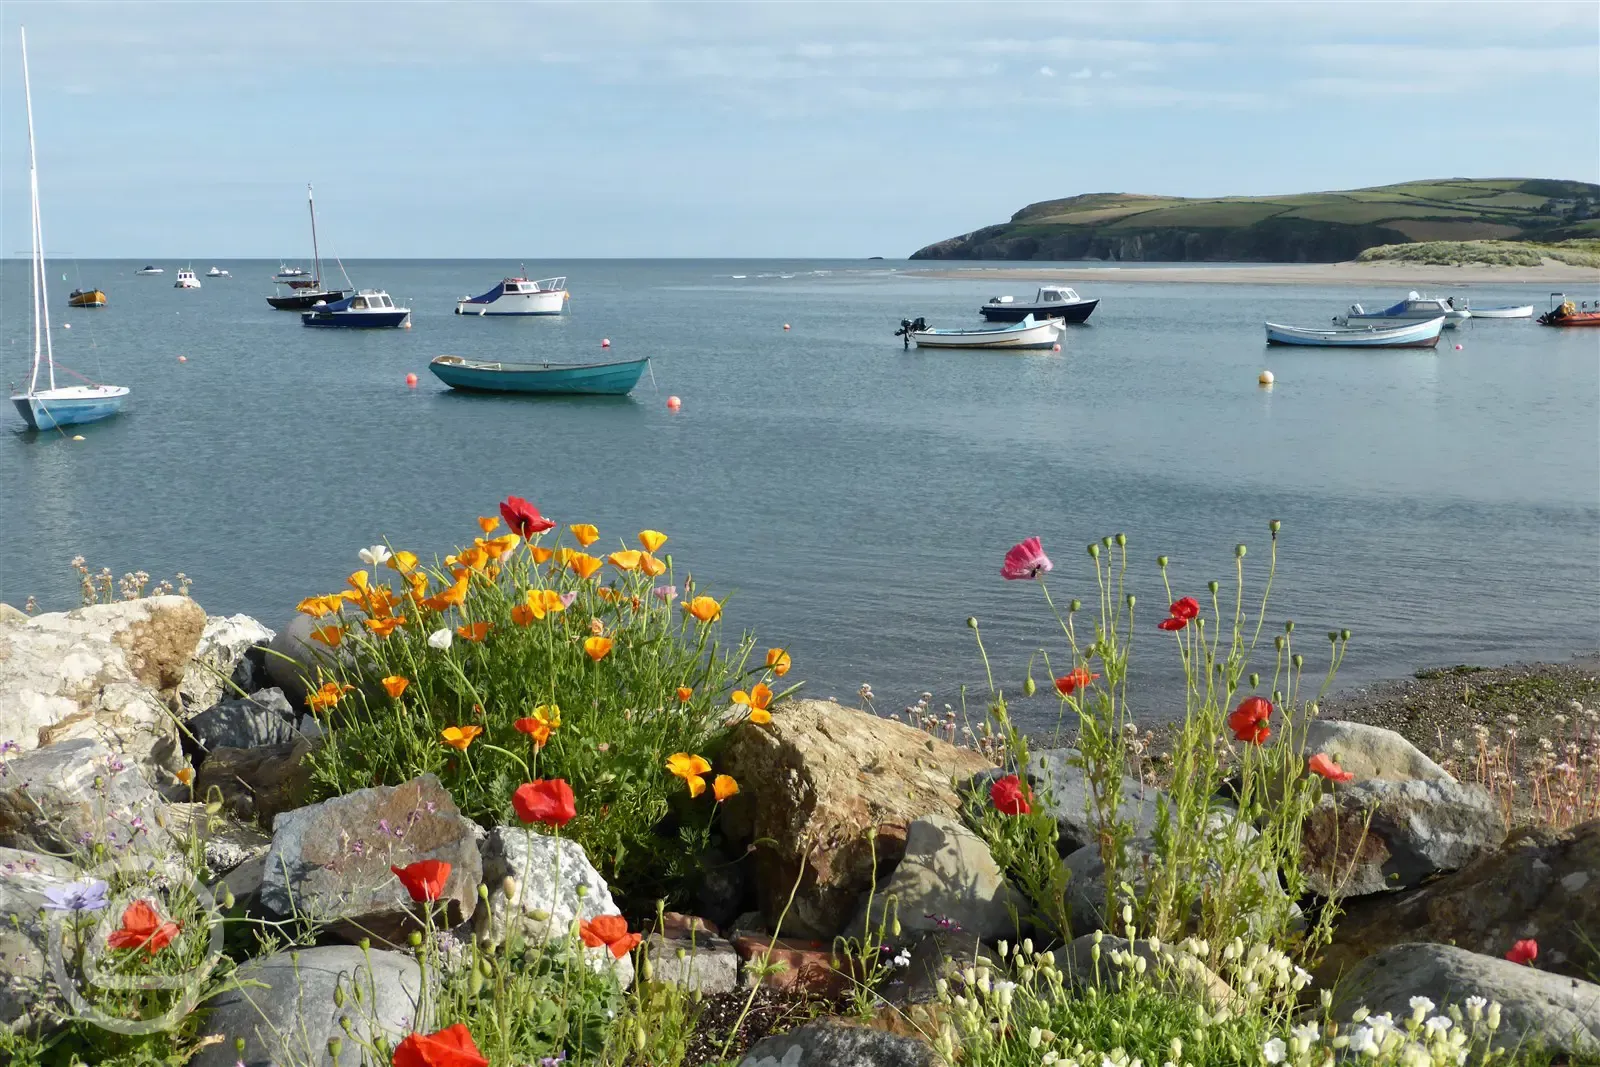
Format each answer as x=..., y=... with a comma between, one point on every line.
x=86, y=298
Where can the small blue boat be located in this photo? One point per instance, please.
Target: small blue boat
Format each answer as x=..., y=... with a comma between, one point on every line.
x=595, y=379
x=367, y=309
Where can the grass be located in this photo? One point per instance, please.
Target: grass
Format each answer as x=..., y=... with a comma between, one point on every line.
x=1577, y=253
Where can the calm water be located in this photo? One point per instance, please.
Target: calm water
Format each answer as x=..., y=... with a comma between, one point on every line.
x=856, y=498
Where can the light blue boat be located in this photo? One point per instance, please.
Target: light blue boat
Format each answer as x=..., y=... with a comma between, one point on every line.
x=596, y=379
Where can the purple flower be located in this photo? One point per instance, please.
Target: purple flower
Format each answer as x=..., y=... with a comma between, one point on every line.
x=566, y=602
x=9, y=746
x=383, y=824
x=115, y=765
x=553, y=1061
x=664, y=593
x=77, y=896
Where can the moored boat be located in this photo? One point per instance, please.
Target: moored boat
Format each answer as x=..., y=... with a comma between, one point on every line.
x=306, y=290
x=1567, y=314
x=1506, y=311
x=1018, y=335
x=1400, y=335
x=595, y=379
x=518, y=296
x=186, y=279
x=217, y=272
x=86, y=298
x=295, y=276
x=1414, y=307
x=1050, y=302
x=150, y=269
x=367, y=309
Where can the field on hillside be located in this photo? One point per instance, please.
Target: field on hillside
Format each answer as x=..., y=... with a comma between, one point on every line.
x=1577, y=253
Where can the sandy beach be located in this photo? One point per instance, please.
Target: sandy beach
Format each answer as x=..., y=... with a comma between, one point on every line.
x=1352, y=273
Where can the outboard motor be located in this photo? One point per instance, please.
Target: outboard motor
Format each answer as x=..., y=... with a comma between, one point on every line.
x=909, y=327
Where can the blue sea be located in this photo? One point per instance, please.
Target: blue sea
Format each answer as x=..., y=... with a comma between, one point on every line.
x=855, y=499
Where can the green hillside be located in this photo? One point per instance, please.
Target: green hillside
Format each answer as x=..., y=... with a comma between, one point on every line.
x=1302, y=228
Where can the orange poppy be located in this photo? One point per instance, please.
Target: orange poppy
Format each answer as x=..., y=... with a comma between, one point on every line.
x=652, y=539
x=459, y=737
x=626, y=560
x=597, y=647
x=358, y=581
x=540, y=555
x=778, y=660
x=327, y=695
x=704, y=608
x=452, y=597
x=394, y=685
x=185, y=776
x=496, y=547
x=584, y=533
x=487, y=523
x=724, y=786
x=473, y=558
x=475, y=631
x=690, y=768
x=544, y=721
x=606, y=593
x=328, y=635
x=522, y=615
x=404, y=562
x=758, y=700
x=684, y=693
x=384, y=627
x=651, y=566
x=582, y=564
x=608, y=931
x=318, y=606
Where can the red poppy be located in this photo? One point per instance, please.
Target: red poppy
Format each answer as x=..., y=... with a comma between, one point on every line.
x=1185, y=608
x=142, y=927
x=1322, y=764
x=1009, y=797
x=1078, y=679
x=425, y=879
x=549, y=801
x=610, y=931
x=1249, y=720
x=450, y=1047
x=523, y=517
x=1172, y=623
x=1524, y=952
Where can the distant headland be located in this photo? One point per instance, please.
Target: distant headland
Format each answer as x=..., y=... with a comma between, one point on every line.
x=1326, y=227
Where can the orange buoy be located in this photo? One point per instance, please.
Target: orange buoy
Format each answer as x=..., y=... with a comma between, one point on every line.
x=411, y=380
x=605, y=342
x=673, y=403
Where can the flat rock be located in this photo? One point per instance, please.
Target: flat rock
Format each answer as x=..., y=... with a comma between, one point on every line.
x=68, y=797
x=330, y=862
x=1541, y=884
x=815, y=782
x=243, y=723
x=1560, y=1011
x=835, y=1043
x=257, y=784
x=24, y=876
x=1418, y=828
x=705, y=965
x=229, y=651
x=929, y=960
x=947, y=878
x=807, y=966
x=1369, y=752
x=283, y=1006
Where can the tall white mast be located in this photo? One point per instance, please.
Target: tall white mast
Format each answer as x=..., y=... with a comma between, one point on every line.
x=41, y=295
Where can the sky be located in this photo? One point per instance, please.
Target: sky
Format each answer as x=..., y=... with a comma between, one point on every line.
x=538, y=131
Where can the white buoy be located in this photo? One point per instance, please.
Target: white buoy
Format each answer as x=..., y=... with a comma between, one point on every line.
x=786, y=326
x=1266, y=377
x=77, y=437
x=183, y=359
x=68, y=326
x=605, y=342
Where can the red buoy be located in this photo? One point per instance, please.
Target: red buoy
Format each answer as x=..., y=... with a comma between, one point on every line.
x=411, y=380
x=673, y=403
x=605, y=342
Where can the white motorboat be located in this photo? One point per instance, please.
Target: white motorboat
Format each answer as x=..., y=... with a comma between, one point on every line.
x=149, y=269
x=1400, y=335
x=1050, y=302
x=1414, y=308
x=1018, y=335
x=518, y=296
x=1508, y=311
x=186, y=279
x=288, y=275
x=217, y=273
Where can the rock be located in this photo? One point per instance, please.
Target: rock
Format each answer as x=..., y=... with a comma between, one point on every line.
x=283, y=1006
x=1541, y=884
x=705, y=965
x=329, y=862
x=225, y=842
x=67, y=797
x=1419, y=827
x=815, y=781
x=11, y=614
x=240, y=724
x=257, y=784
x=808, y=966
x=724, y=889
x=1062, y=789
x=1172, y=970
x=274, y=700
x=835, y=1043
x=106, y=672
x=553, y=878
x=1557, y=1010
x=228, y=651
x=1369, y=752
x=675, y=926
x=929, y=958
x=292, y=658
x=946, y=878
x=24, y=876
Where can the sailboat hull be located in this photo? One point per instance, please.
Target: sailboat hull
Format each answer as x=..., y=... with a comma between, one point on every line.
x=71, y=406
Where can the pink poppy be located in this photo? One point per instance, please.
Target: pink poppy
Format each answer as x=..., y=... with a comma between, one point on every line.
x=1025, y=560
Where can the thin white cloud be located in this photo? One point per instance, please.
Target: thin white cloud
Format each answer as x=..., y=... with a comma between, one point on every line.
x=1083, y=72
x=1047, y=72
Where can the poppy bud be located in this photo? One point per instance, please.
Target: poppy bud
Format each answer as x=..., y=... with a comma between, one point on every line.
x=1275, y=525
x=1094, y=551
x=581, y=891
x=1288, y=626
x=1122, y=540
x=647, y=969
x=1278, y=642
x=509, y=885
x=681, y=953
x=1212, y=587
x=344, y=1023
x=1299, y=661
x=214, y=807
x=365, y=944
x=483, y=892
x=238, y=1045
x=335, y=1046
x=539, y=915
x=227, y=899
x=1029, y=687
x=338, y=994
x=1238, y=552
x=414, y=940
x=972, y=622
x=475, y=982
x=1255, y=679
x=1130, y=600
x=1344, y=635
x=1161, y=561
x=1075, y=605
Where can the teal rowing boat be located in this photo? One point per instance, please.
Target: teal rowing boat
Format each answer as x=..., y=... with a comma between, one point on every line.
x=602, y=379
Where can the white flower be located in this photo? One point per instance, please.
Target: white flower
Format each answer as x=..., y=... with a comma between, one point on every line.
x=1274, y=1050
x=1420, y=1006
x=1438, y=1024
x=1381, y=1025
x=1475, y=1007
x=441, y=638
x=1362, y=1040
x=375, y=555
x=1307, y=1032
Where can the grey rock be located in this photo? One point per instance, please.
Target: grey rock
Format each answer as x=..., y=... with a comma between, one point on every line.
x=706, y=965
x=225, y=843
x=946, y=876
x=273, y=699
x=1418, y=828
x=68, y=797
x=725, y=888
x=330, y=862
x=833, y=1043
x=283, y=1006
x=1062, y=789
x=1559, y=1011
x=241, y=724
x=292, y=658
x=24, y=876
x=1173, y=970
x=257, y=784
x=929, y=958
x=1369, y=752
x=224, y=655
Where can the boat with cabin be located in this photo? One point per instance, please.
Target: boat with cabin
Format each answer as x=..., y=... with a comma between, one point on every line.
x=1414, y=307
x=1050, y=302
x=186, y=279
x=1400, y=335
x=1025, y=334
x=1565, y=313
x=149, y=269
x=216, y=272
x=295, y=277
x=569, y=379
x=86, y=298
x=518, y=296
x=306, y=290
x=55, y=406
x=367, y=309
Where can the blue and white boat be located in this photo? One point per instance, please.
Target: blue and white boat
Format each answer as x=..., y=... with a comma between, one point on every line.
x=1400, y=335
x=46, y=409
x=518, y=296
x=595, y=379
x=1017, y=335
x=367, y=309
x=1414, y=308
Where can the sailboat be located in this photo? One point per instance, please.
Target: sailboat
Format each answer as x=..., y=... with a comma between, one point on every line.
x=45, y=409
x=307, y=292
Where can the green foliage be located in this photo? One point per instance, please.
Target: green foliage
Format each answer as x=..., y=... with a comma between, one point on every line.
x=1577, y=253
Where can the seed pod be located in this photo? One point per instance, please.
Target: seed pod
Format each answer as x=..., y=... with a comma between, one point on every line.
x=1238, y=552
x=1161, y=561
x=581, y=890
x=539, y=915
x=1212, y=586
x=1344, y=635
x=227, y=899
x=1075, y=606
x=510, y=887
x=414, y=939
x=1130, y=600
x=1122, y=540
x=1094, y=551
x=335, y=1046
x=972, y=622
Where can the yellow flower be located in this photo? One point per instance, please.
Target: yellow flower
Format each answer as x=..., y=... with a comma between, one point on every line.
x=684, y=693
x=585, y=534
x=327, y=696
x=454, y=596
x=582, y=564
x=652, y=539
x=540, y=555
x=626, y=560
x=650, y=565
x=522, y=615
x=459, y=737
x=689, y=768
x=318, y=606
x=404, y=562
x=597, y=647
x=723, y=787
x=185, y=776
x=394, y=685
x=358, y=581
x=476, y=631
x=703, y=608
x=778, y=660
x=473, y=557
x=496, y=547
x=544, y=721
x=758, y=700
x=487, y=523
x=328, y=635
x=419, y=586
x=384, y=627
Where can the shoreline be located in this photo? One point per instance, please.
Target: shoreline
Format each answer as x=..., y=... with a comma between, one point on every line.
x=1352, y=272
